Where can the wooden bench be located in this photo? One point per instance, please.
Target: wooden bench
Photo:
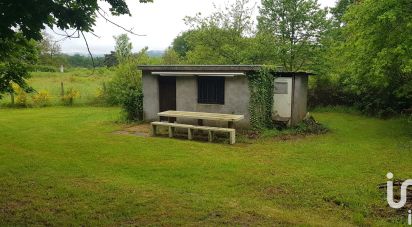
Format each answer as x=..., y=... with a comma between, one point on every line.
x=211, y=130
x=171, y=127
x=191, y=128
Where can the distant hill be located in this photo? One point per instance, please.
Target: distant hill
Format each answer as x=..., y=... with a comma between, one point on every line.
x=151, y=53
x=85, y=54
x=155, y=53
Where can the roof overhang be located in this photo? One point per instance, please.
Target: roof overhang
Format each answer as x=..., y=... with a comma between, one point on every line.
x=200, y=68
x=213, y=70
x=220, y=74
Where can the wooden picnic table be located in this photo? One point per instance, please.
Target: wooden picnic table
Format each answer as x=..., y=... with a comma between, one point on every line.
x=200, y=116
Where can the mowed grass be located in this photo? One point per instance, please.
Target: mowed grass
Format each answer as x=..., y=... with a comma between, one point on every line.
x=61, y=166
x=85, y=81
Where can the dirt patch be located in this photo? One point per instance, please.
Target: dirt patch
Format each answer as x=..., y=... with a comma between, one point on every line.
x=272, y=192
x=141, y=130
x=250, y=134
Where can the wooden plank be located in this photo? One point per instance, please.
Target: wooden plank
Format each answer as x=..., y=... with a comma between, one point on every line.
x=171, y=124
x=171, y=131
x=154, y=130
x=210, y=137
x=232, y=138
x=189, y=134
x=201, y=115
x=215, y=129
x=210, y=130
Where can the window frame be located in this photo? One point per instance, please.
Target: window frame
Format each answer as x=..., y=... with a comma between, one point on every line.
x=281, y=88
x=206, y=84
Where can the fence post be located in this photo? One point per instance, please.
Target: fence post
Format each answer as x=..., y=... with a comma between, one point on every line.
x=62, y=89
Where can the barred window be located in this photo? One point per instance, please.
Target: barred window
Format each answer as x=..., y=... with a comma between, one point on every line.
x=211, y=90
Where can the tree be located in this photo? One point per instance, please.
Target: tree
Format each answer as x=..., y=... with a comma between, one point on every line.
x=170, y=57
x=181, y=44
x=126, y=86
x=49, y=46
x=213, y=45
x=224, y=37
x=110, y=60
x=14, y=60
x=49, y=51
x=327, y=87
x=377, y=51
x=21, y=21
x=237, y=17
x=297, y=26
x=366, y=57
x=78, y=60
x=31, y=17
x=340, y=9
x=123, y=47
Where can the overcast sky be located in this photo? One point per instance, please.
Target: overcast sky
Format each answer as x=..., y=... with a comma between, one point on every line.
x=160, y=21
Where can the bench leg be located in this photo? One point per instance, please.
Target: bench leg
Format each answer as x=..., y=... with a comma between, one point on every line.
x=200, y=122
x=210, y=136
x=232, y=137
x=171, y=131
x=189, y=133
x=154, y=128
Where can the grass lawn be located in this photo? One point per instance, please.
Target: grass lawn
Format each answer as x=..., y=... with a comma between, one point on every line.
x=61, y=165
x=81, y=80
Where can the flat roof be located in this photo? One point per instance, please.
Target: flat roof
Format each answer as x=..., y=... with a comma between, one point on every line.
x=216, y=68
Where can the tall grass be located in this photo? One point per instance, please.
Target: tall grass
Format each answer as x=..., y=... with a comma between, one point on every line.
x=87, y=82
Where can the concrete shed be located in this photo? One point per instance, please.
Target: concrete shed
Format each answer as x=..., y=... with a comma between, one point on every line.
x=219, y=89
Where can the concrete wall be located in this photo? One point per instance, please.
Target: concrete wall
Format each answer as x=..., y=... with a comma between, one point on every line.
x=236, y=99
x=300, y=99
x=150, y=97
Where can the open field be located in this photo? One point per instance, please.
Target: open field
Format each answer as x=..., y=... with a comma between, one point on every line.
x=81, y=80
x=62, y=165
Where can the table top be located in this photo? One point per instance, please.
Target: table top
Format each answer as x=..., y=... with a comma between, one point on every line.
x=201, y=115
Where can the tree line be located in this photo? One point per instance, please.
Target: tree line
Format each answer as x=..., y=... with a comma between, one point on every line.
x=360, y=50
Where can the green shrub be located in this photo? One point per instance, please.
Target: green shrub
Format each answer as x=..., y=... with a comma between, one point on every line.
x=310, y=126
x=41, y=99
x=101, y=95
x=43, y=68
x=127, y=75
x=133, y=104
x=125, y=88
x=324, y=90
x=21, y=96
x=69, y=97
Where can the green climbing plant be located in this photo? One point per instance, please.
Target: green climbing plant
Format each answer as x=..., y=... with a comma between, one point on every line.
x=261, y=98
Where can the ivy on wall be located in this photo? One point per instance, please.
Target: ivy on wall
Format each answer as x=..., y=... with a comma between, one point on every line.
x=261, y=85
